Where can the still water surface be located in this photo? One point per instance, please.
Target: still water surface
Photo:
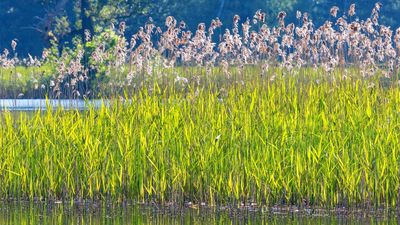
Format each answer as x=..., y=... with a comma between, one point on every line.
x=43, y=104
x=59, y=214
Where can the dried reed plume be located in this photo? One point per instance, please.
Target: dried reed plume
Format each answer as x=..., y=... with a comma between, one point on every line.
x=342, y=42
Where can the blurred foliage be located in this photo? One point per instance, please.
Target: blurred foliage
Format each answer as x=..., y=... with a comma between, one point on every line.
x=35, y=24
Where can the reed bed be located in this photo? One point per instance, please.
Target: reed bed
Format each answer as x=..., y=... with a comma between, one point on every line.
x=283, y=115
x=286, y=142
x=109, y=63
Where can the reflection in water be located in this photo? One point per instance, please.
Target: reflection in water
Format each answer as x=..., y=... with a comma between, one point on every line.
x=58, y=214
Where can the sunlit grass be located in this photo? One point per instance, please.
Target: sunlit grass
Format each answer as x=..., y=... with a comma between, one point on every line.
x=325, y=142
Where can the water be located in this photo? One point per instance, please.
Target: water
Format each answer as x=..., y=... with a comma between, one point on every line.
x=59, y=214
x=43, y=104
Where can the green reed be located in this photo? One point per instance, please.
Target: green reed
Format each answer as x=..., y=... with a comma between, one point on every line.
x=286, y=140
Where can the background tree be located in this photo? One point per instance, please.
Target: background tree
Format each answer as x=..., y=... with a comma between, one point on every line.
x=36, y=23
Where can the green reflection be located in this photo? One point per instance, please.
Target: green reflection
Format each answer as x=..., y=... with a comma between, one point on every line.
x=11, y=214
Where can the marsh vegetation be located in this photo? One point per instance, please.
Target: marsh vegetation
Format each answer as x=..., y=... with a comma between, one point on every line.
x=291, y=114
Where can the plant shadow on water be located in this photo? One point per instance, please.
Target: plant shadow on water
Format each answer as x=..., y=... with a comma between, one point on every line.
x=21, y=213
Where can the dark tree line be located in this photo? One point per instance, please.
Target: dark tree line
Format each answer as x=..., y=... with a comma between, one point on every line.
x=37, y=23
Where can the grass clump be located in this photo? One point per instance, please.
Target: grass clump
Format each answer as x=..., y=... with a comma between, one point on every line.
x=271, y=142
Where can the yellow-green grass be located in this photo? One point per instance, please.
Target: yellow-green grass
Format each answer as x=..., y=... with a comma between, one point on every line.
x=272, y=141
x=24, y=80
x=36, y=82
